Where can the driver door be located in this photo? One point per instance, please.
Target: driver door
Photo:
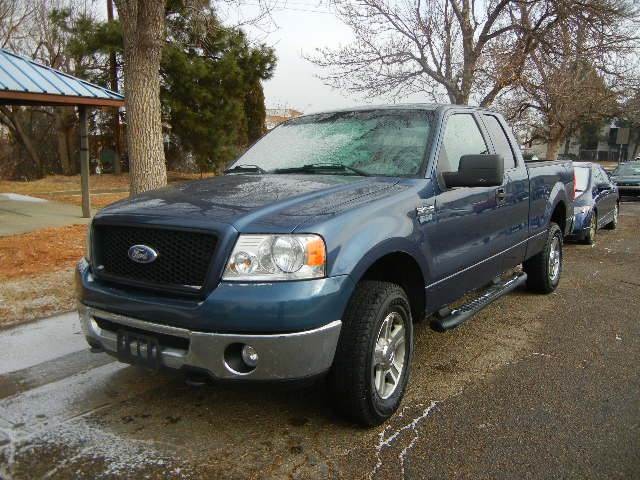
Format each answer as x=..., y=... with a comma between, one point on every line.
x=463, y=239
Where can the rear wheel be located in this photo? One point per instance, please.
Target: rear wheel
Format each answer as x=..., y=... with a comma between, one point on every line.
x=544, y=269
x=613, y=224
x=590, y=235
x=371, y=366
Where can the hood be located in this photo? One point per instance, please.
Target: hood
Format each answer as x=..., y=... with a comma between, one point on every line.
x=626, y=179
x=251, y=203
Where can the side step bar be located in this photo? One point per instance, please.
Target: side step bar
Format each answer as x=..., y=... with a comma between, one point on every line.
x=461, y=314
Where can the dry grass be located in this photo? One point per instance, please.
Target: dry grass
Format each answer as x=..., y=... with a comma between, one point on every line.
x=33, y=297
x=60, y=184
x=105, y=189
x=42, y=251
x=36, y=273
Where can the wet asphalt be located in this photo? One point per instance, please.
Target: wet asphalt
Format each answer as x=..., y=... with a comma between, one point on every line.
x=532, y=387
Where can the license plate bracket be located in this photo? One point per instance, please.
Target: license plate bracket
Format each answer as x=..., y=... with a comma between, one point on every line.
x=139, y=349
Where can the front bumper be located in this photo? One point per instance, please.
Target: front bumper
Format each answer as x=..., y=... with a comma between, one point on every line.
x=284, y=356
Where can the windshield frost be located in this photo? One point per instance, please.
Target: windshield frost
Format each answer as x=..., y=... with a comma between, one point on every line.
x=378, y=142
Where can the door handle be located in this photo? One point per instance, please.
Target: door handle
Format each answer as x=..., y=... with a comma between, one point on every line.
x=501, y=194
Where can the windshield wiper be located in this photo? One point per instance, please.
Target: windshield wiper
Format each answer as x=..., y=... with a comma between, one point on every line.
x=246, y=168
x=314, y=167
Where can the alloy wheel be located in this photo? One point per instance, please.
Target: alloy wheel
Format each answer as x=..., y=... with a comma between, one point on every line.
x=388, y=355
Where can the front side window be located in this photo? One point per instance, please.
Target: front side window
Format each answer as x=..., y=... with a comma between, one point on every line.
x=461, y=137
x=500, y=141
x=389, y=142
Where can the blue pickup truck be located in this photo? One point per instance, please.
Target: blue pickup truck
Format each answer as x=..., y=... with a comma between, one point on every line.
x=321, y=246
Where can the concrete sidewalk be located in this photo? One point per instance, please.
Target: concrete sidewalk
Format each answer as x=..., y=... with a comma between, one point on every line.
x=21, y=214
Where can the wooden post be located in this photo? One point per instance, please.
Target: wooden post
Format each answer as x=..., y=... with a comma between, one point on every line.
x=84, y=161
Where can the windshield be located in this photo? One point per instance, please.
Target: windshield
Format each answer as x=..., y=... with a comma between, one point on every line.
x=373, y=142
x=630, y=169
x=582, y=178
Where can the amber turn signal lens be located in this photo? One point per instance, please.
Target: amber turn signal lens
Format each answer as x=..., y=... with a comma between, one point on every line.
x=316, y=253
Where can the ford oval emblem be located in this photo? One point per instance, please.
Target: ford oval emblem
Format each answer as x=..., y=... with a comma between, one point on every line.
x=142, y=254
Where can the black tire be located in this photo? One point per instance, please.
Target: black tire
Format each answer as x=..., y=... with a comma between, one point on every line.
x=590, y=235
x=540, y=276
x=613, y=224
x=351, y=379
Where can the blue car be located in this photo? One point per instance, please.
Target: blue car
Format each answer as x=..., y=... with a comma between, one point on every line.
x=596, y=204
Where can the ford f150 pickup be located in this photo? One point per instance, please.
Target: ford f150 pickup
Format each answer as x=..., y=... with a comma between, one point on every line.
x=320, y=247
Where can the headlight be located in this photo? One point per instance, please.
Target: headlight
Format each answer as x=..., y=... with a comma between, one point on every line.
x=276, y=257
x=577, y=210
x=87, y=244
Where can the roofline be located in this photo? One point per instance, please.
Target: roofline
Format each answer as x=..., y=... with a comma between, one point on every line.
x=25, y=97
x=54, y=99
x=399, y=106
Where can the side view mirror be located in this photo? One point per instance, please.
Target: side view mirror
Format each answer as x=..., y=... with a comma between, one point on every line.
x=477, y=171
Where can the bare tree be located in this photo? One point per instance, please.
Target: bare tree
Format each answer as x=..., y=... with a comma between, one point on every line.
x=466, y=50
x=143, y=24
x=575, y=74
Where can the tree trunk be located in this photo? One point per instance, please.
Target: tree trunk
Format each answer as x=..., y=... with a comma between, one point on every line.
x=61, y=138
x=113, y=73
x=143, y=23
x=553, y=146
x=10, y=118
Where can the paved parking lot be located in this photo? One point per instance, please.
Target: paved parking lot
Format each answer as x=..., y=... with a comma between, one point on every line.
x=533, y=387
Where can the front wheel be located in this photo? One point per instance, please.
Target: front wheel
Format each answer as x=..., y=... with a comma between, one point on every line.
x=544, y=269
x=371, y=366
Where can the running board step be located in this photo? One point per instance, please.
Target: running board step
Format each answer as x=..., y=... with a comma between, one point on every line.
x=461, y=314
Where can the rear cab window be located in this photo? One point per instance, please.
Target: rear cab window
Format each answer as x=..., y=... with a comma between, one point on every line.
x=501, y=143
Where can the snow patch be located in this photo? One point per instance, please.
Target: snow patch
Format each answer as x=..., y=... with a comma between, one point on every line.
x=386, y=441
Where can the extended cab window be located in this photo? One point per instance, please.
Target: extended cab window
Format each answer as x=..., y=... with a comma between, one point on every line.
x=500, y=141
x=385, y=142
x=461, y=137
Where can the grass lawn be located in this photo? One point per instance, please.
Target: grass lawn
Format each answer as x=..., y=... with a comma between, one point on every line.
x=36, y=268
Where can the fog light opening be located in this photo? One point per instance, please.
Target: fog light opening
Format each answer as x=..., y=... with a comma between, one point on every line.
x=240, y=358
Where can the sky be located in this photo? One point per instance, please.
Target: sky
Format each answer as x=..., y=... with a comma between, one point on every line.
x=297, y=28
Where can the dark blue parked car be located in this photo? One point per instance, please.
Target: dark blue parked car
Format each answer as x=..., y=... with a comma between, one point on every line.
x=597, y=202
x=322, y=245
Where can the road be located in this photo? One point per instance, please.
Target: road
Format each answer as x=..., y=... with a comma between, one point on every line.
x=532, y=387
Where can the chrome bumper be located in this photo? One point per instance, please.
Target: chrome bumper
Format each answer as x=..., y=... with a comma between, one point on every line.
x=280, y=356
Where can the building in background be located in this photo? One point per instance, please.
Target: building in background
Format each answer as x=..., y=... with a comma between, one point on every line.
x=608, y=143
x=275, y=116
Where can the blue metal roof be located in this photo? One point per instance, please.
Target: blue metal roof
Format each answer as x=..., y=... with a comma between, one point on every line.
x=24, y=76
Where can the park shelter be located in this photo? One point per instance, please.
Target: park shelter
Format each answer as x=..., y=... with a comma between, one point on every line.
x=27, y=83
